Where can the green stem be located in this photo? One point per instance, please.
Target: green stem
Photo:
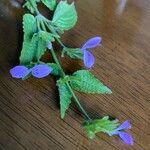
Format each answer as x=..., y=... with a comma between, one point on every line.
x=69, y=87
x=78, y=103
x=38, y=25
x=47, y=21
x=56, y=60
x=43, y=25
x=36, y=10
x=54, y=32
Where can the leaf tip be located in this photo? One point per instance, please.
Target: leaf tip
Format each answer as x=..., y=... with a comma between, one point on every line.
x=62, y=116
x=108, y=90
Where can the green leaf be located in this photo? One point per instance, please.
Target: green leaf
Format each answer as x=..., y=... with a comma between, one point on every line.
x=65, y=97
x=29, y=28
x=100, y=125
x=65, y=16
x=88, y=83
x=39, y=45
x=75, y=53
x=56, y=71
x=51, y=4
x=46, y=36
x=34, y=48
x=41, y=48
x=29, y=24
x=27, y=52
x=43, y=38
x=30, y=6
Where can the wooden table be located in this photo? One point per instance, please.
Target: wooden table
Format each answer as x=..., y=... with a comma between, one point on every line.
x=29, y=110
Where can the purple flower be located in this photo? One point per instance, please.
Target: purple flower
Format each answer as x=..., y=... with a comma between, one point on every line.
x=126, y=137
x=19, y=72
x=40, y=71
x=88, y=57
x=124, y=125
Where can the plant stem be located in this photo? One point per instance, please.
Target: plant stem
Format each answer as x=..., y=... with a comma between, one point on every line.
x=69, y=87
x=54, y=32
x=36, y=10
x=47, y=20
x=78, y=103
x=38, y=25
x=43, y=25
x=59, y=41
x=56, y=60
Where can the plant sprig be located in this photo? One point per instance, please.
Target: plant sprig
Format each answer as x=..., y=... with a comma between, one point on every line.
x=39, y=35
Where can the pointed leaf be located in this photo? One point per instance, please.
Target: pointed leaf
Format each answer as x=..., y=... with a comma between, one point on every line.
x=88, y=83
x=29, y=28
x=65, y=16
x=65, y=98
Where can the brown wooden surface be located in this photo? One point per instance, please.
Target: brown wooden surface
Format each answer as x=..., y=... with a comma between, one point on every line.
x=29, y=112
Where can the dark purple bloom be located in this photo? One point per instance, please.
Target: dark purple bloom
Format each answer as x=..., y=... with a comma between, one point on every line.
x=126, y=137
x=88, y=58
x=40, y=71
x=19, y=72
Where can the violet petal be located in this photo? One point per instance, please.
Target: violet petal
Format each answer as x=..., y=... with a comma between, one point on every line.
x=88, y=59
x=126, y=137
x=19, y=72
x=124, y=125
x=40, y=71
x=49, y=45
x=91, y=43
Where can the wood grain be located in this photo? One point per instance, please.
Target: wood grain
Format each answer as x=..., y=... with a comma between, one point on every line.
x=29, y=112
